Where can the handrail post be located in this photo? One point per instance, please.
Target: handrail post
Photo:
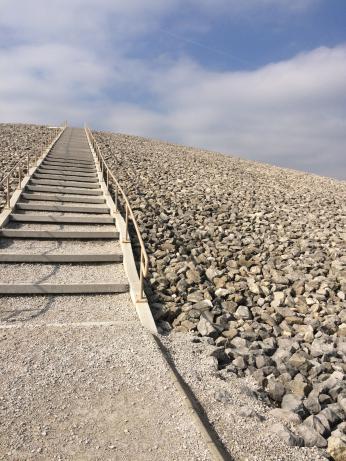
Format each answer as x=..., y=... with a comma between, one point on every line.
x=8, y=192
x=126, y=240
x=116, y=198
x=19, y=176
x=141, y=282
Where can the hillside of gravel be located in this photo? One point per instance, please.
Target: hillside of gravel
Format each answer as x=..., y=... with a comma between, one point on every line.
x=251, y=257
x=16, y=141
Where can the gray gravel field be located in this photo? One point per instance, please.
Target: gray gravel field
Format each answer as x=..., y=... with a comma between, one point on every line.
x=90, y=392
x=251, y=257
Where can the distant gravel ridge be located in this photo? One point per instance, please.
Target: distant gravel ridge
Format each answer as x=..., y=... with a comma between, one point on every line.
x=252, y=257
x=16, y=140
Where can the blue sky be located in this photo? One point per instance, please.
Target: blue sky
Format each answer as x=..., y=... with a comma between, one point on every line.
x=259, y=79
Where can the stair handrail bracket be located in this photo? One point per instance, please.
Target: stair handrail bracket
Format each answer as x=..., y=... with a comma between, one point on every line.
x=129, y=215
x=23, y=166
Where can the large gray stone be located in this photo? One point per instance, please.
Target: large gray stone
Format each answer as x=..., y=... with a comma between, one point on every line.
x=315, y=423
x=311, y=437
x=293, y=403
x=205, y=328
x=243, y=312
x=337, y=447
x=276, y=390
x=287, y=436
x=286, y=416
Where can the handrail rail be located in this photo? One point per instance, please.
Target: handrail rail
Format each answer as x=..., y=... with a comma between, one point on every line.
x=108, y=176
x=27, y=165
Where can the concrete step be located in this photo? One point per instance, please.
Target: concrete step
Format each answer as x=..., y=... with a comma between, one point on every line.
x=59, y=258
x=63, y=208
x=72, y=148
x=61, y=176
x=66, y=172
x=87, y=185
x=74, y=165
x=69, y=163
x=59, y=247
x=24, y=217
x=62, y=198
x=63, y=167
x=69, y=159
x=74, y=288
x=64, y=190
x=15, y=233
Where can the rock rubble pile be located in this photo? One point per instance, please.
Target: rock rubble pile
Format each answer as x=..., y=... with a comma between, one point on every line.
x=16, y=141
x=252, y=257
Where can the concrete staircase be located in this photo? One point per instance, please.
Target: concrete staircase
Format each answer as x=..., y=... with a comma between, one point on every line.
x=61, y=215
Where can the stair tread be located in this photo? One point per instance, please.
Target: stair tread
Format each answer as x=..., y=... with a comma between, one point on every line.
x=40, y=181
x=55, y=171
x=86, y=219
x=64, y=190
x=57, y=226
x=35, y=206
x=58, y=177
x=59, y=234
x=63, y=288
x=69, y=159
x=65, y=164
x=63, y=198
x=54, y=273
x=56, y=257
x=59, y=202
x=29, y=246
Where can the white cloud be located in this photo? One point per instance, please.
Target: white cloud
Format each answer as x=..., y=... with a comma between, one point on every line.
x=60, y=65
x=290, y=113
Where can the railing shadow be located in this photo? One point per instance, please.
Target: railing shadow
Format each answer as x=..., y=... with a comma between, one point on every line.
x=16, y=312
x=226, y=456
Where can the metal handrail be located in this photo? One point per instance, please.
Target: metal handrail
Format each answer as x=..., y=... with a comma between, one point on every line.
x=109, y=177
x=21, y=170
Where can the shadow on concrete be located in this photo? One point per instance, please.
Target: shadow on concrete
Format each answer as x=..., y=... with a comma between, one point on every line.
x=223, y=452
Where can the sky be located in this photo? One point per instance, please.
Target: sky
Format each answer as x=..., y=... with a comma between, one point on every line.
x=263, y=80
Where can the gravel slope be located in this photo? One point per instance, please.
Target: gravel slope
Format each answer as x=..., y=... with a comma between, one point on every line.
x=16, y=141
x=252, y=257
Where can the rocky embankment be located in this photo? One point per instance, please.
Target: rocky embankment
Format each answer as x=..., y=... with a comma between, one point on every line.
x=16, y=141
x=252, y=257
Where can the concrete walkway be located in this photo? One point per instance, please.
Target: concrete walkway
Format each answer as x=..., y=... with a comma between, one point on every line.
x=81, y=380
